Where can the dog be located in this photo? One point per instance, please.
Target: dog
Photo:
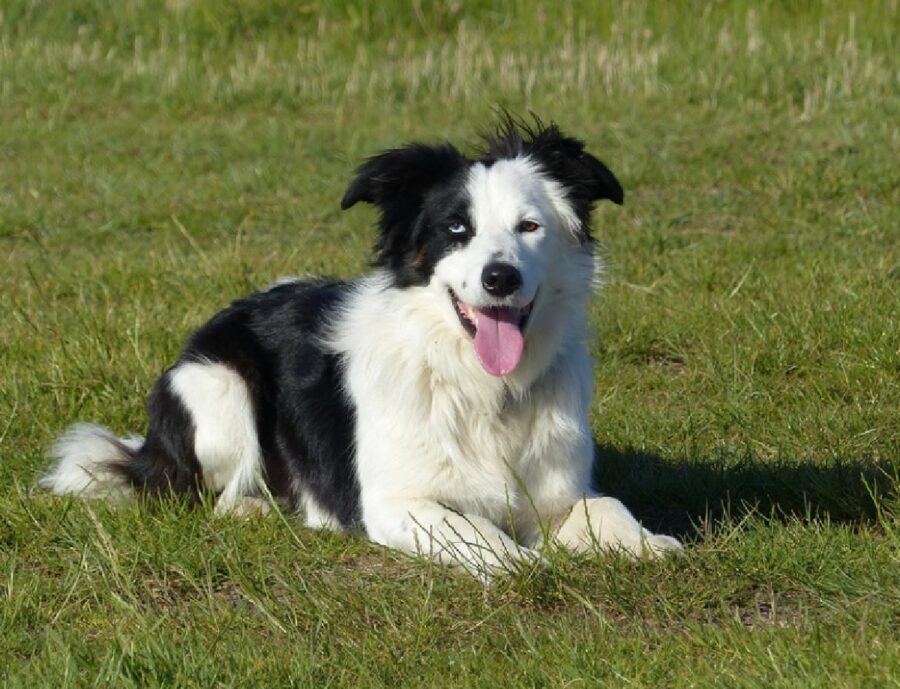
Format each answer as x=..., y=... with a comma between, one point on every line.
x=438, y=405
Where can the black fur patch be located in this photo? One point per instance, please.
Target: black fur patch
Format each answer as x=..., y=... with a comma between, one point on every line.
x=304, y=419
x=166, y=462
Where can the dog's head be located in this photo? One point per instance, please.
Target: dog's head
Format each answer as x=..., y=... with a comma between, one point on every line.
x=493, y=237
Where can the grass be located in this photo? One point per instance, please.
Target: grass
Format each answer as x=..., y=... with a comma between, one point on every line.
x=160, y=159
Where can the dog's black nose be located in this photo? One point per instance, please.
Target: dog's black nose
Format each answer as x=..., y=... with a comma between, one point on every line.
x=500, y=279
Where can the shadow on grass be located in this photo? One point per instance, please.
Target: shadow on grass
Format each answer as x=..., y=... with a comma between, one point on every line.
x=676, y=497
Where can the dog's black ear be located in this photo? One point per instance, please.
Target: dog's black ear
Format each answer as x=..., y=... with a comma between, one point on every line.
x=584, y=176
x=402, y=175
x=397, y=182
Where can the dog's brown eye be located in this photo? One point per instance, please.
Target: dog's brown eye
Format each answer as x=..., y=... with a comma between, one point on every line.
x=528, y=226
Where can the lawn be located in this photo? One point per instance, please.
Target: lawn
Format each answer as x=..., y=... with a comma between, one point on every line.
x=158, y=159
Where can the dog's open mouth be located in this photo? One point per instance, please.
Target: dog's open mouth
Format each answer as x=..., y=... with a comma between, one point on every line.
x=498, y=331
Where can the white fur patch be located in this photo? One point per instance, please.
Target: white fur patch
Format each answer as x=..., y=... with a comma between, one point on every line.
x=225, y=440
x=501, y=196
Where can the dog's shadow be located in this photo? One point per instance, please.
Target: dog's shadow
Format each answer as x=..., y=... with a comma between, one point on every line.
x=676, y=497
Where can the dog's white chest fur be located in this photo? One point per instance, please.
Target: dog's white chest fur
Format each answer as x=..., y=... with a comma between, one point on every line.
x=431, y=424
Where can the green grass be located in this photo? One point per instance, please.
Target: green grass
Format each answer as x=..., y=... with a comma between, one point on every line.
x=159, y=159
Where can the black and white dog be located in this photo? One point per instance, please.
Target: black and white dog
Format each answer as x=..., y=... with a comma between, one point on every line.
x=439, y=404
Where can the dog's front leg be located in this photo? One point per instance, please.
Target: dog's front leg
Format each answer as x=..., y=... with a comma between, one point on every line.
x=427, y=528
x=605, y=523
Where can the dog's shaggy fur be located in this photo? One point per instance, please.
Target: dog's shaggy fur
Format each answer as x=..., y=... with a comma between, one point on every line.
x=439, y=405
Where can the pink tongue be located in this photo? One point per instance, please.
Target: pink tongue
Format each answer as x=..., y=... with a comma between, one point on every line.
x=498, y=340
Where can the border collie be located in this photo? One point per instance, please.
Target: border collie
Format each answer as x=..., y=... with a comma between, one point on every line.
x=439, y=405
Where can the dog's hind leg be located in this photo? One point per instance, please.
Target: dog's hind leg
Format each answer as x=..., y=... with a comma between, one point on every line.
x=226, y=444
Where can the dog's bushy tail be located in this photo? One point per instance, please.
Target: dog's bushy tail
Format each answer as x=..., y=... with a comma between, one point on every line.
x=89, y=461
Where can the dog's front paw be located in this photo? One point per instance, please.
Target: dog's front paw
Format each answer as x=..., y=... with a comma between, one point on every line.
x=657, y=545
x=606, y=524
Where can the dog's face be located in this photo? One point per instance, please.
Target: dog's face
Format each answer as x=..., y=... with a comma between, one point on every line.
x=488, y=236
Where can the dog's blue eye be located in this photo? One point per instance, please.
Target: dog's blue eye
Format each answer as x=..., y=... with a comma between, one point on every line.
x=457, y=228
